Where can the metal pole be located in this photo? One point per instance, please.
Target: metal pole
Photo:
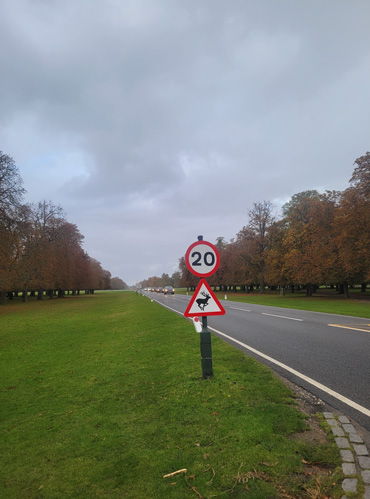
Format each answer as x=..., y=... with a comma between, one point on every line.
x=206, y=350
x=205, y=345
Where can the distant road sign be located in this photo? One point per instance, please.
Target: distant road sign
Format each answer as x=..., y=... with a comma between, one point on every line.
x=204, y=302
x=202, y=258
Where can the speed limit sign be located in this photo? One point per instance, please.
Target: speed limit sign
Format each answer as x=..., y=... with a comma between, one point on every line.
x=202, y=258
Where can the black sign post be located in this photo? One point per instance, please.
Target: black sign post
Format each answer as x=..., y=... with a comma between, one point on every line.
x=202, y=259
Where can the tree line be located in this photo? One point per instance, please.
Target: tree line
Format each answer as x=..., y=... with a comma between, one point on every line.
x=174, y=280
x=40, y=251
x=320, y=239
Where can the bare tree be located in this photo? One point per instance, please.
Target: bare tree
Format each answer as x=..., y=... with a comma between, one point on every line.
x=360, y=179
x=261, y=219
x=11, y=190
x=11, y=193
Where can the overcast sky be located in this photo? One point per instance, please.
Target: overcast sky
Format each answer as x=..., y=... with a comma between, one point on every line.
x=153, y=121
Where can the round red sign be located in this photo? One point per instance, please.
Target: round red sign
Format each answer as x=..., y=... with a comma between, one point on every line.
x=202, y=258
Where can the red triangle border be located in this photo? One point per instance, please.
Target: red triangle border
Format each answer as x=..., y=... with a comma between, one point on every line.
x=195, y=296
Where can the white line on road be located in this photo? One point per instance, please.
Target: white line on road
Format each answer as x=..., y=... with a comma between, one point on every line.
x=324, y=388
x=163, y=305
x=311, y=381
x=243, y=309
x=282, y=317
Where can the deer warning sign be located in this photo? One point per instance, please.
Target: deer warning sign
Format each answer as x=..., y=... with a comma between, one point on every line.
x=204, y=302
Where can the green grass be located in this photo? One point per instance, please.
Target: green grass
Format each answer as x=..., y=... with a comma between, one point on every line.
x=102, y=395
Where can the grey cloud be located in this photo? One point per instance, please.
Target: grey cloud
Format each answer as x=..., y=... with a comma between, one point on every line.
x=145, y=118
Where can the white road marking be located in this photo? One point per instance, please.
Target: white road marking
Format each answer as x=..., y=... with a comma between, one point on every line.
x=166, y=306
x=283, y=317
x=311, y=381
x=243, y=309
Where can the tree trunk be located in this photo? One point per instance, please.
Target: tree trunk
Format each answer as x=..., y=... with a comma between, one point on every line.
x=40, y=294
x=2, y=297
x=24, y=296
x=345, y=290
x=282, y=290
x=262, y=286
x=309, y=289
x=363, y=287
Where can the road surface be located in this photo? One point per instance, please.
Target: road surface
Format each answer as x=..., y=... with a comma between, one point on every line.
x=328, y=355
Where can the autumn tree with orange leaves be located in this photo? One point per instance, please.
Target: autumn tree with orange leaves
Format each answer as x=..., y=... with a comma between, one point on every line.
x=320, y=239
x=352, y=226
x=39, y=249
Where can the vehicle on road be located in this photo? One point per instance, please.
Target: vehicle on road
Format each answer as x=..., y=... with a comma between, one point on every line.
x=169, y=290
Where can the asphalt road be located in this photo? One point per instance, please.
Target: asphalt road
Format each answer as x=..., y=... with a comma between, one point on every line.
x=327, y=354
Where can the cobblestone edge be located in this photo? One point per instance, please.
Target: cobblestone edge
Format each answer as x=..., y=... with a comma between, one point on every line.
x=355, y=455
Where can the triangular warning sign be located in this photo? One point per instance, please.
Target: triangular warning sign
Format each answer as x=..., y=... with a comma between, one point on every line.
x=204, y=302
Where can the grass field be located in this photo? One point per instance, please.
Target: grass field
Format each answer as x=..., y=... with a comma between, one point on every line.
x=102, y=395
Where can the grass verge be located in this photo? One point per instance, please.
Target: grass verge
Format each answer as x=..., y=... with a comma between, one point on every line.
x=101, y=396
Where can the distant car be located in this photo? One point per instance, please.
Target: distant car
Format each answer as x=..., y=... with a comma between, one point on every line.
x=169, y=290
x=159, y=290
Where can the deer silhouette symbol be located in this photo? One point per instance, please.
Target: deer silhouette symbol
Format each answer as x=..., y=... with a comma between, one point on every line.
x=203, y=302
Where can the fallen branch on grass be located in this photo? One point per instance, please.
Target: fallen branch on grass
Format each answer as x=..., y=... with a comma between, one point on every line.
x=175, y=473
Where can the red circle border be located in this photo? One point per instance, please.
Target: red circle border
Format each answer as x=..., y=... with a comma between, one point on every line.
x=187, y=262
